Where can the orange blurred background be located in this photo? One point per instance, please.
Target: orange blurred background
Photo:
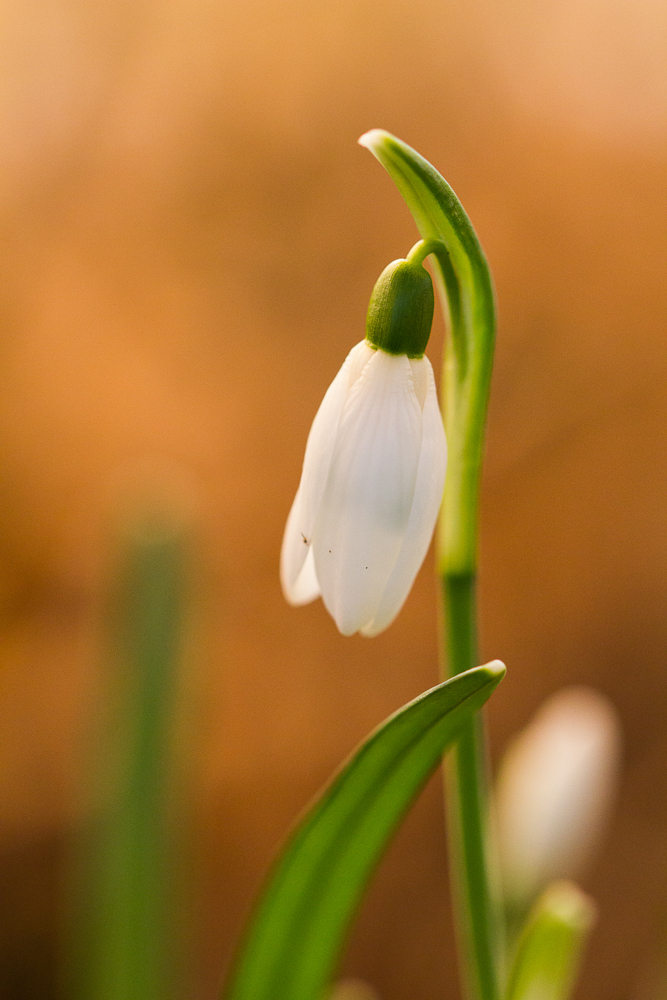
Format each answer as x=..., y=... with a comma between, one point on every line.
x=190, y=236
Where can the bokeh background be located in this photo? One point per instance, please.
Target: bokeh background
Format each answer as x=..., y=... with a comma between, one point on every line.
x=189, y=238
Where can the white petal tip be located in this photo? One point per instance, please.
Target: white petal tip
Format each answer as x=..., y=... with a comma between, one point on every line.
x=371, y=630
x=347, y=624
x=347, y=632
x=306, y=587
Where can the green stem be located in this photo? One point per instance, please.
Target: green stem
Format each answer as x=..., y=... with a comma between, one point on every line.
x=467, y=807
x=466, y=376
x=422, y=248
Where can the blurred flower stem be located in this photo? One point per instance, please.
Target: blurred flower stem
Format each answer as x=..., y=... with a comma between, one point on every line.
x=124, y=934
x=464, y=284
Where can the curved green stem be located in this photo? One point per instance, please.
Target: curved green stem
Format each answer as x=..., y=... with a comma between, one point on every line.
x=423, y=248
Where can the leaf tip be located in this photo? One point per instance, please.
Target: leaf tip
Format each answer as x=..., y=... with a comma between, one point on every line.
x=568, y=904
x=496, y=669
x=374, y=138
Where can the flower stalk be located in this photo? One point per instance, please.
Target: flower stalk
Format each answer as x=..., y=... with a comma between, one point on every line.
x=466, y=377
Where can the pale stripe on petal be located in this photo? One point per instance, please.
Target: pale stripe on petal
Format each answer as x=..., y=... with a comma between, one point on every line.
x=423, y=515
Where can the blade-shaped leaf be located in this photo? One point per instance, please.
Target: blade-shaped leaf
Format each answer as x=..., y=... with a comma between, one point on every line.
x=293, y=942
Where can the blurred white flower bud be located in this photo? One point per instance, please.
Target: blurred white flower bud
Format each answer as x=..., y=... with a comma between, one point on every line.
x=554, y=791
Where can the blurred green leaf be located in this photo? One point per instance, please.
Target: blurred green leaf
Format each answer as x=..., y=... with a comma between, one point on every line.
x=549, y=951
x=124, y=877
x=293, y=942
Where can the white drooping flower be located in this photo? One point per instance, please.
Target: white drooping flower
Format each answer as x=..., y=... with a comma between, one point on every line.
x=554, y=791
x=370, y=491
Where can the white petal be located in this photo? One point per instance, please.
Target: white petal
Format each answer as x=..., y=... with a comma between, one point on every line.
x=365, y=508
x=316, y=463
x=425, y=506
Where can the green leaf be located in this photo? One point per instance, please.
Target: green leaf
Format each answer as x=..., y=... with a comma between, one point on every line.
x=549, y=950
x=123, y=945
x=292, y=945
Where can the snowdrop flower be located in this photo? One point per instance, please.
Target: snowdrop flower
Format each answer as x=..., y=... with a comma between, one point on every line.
x=374, y=469
x=554, y=791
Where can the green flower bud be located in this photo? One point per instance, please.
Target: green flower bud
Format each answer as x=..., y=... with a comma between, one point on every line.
x=400, y=312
